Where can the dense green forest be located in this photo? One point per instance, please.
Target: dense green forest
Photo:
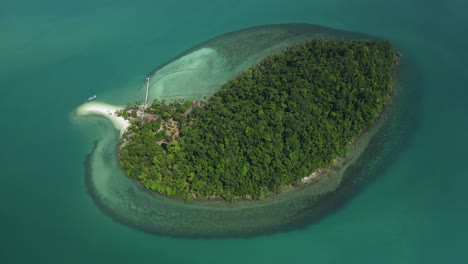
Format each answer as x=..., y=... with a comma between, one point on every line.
x=276, y=123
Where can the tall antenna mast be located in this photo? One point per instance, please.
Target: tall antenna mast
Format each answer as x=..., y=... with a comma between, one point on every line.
x=147, y=88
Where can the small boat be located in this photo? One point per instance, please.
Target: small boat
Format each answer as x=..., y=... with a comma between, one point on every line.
x=91, y=98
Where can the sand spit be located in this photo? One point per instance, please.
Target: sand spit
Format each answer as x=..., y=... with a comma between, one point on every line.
x=106, y=110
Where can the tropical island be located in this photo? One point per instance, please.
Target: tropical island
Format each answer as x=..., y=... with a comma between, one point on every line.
x=271, y=127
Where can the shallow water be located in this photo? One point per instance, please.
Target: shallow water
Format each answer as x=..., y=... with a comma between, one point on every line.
x=195, y=74
x=55, y=54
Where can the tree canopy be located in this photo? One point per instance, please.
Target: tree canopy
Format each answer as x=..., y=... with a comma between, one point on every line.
x=274, y=124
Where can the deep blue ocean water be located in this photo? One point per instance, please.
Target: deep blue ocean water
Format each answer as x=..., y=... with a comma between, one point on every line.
x=54, y=54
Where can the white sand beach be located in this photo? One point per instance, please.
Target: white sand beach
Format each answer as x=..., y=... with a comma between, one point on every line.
x=106, y=110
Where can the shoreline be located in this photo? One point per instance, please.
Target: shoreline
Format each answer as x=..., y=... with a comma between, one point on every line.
x=131, y=204
x=325, y=180
x=107, y=111
x=322, y=180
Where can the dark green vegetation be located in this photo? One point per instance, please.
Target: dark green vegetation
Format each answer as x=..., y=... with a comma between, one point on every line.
x=273, y=125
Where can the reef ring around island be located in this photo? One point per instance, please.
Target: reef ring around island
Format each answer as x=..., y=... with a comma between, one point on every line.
x=197, y=74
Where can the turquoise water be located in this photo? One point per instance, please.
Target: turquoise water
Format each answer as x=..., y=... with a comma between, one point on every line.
x=198, y=73
x=53, y=55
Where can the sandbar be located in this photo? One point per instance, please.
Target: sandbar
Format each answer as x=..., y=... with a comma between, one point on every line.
x=106, y=110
